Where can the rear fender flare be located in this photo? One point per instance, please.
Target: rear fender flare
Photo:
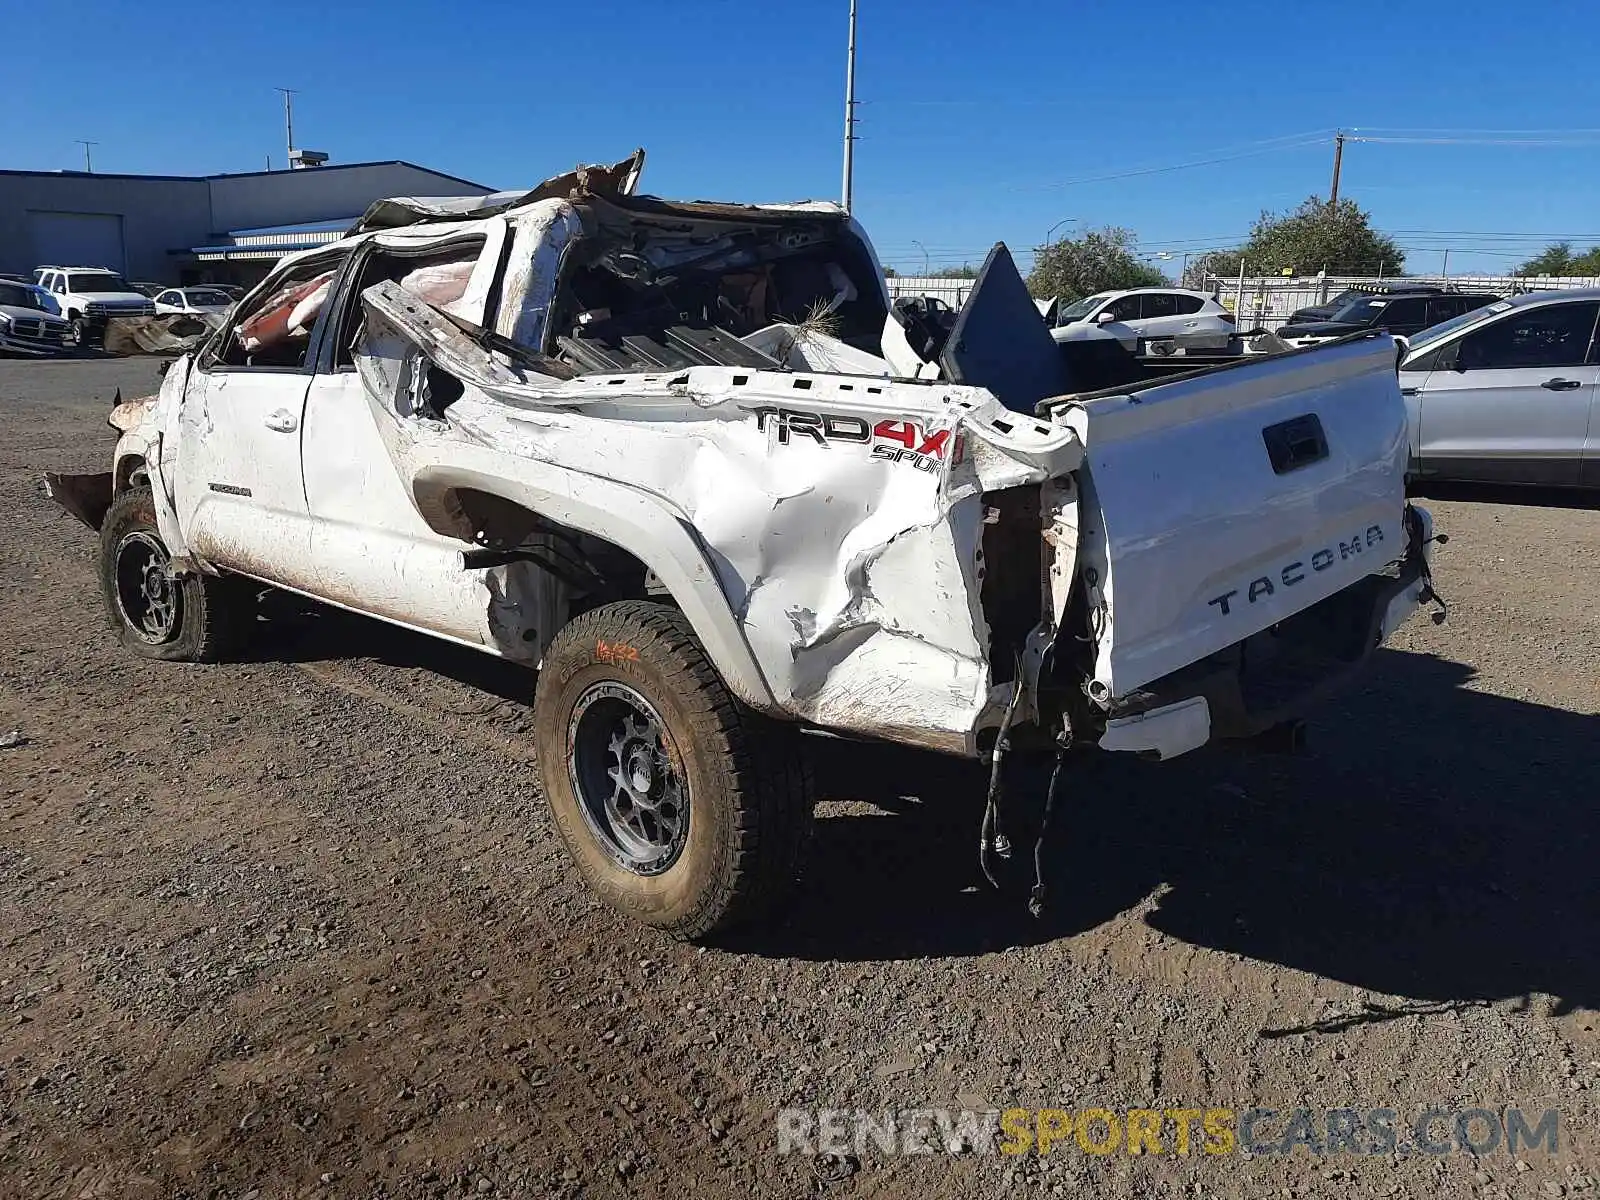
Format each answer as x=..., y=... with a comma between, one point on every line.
x=641, y=524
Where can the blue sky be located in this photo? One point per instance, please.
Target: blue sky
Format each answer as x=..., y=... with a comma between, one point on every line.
x=980, y=120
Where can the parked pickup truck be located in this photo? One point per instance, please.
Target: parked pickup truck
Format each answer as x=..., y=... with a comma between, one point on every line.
x=26, y=325
x=682, y=458
x=91, y=296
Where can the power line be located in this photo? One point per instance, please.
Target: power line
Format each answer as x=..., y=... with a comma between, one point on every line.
x=1410, y=129
x=1476, y=141
x=1184, y=166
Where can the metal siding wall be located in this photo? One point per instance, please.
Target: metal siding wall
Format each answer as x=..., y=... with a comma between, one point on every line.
x=319, y=194
x=161, y=215
x=157, y=215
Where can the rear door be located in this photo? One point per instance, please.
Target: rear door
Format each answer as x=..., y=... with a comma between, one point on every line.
x=1405, y=316
x=1511, y=402
x=1158, y=315
x=1442, y=308
x=371, y=548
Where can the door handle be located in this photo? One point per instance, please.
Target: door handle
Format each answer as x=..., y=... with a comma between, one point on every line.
x=282, y=420
x=1561, y=385
x=1411, y=391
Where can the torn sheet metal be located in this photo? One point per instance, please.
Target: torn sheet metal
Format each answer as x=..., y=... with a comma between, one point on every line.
x=173, y=334
x=837, y=518
x=87, y=497
x=618, y=179
x=130, y=413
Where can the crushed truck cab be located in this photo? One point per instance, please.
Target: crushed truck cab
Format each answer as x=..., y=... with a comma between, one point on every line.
x=688, y=461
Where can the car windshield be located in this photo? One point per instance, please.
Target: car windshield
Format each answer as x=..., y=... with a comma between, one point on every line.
x=98, y=282
x=1359, y=312
x=18, y=296
x=1445, y=328
x=205, y=296
x=1080, y=309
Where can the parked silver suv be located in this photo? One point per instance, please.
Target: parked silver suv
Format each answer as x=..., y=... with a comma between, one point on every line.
x=1504, y=394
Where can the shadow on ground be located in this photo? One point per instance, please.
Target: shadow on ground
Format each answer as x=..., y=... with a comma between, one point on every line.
x=1490, y=493
x=1434, y=842
x=296, y=630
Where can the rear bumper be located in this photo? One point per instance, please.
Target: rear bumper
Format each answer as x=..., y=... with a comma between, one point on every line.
x=1273, y=676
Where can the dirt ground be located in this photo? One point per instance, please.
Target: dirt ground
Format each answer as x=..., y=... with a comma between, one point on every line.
x=297, y=926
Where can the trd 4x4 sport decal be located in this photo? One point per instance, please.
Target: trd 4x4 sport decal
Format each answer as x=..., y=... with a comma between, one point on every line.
x=891, y=441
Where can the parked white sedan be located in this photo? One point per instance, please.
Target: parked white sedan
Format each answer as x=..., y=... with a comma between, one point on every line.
x=1148, y=320
x=192, y=300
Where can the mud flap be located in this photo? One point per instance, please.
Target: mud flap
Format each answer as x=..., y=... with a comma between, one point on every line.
x=86, y=497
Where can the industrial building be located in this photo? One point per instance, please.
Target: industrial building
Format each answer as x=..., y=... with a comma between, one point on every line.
x=174, y=229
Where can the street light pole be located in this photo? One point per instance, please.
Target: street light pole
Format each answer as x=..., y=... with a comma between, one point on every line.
x=850, y=113
x=1338, y=162
x=924, y=249
x=1052, y=230
x=288, y=121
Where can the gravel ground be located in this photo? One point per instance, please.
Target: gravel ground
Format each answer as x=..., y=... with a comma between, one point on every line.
x=297, y=926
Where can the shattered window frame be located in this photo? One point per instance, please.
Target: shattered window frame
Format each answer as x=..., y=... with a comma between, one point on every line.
x=211, y=359
x=336, y=353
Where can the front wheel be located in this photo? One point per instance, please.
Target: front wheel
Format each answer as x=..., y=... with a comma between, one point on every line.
x=680, y=806
x=185, y=618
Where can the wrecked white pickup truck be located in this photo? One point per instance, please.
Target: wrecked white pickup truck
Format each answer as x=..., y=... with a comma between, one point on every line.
x=686, y=460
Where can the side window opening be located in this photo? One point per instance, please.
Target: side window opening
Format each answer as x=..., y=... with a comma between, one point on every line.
x=276, y=331
x=1404, y=312
x=1159, y=304
x=1188, y=304
x=1125, y=309
x=1556, y=335
x=440, y=277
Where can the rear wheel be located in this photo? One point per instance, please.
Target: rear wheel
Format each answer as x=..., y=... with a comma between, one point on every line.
x=187, y=618
x=679, y=806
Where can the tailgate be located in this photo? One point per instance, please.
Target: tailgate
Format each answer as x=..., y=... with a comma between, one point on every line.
x=1217, y=505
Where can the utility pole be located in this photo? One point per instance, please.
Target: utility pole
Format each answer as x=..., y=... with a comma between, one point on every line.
x=850, y=113
x=288, y=121
x=1338, y=161
x=88, y=164
x=1444, y=271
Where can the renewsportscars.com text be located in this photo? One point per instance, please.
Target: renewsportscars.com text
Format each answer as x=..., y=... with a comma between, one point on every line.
x=1214, y=1130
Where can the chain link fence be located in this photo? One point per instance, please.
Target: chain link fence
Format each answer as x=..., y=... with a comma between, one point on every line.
x=1265, y=301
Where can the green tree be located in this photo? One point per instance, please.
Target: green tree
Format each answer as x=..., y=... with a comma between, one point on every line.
x=1098, y=260
x=1316, y=236
x=1213, y=262
x=1558, y=259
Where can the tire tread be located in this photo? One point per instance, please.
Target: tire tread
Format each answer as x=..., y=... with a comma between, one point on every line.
x=772, y=776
